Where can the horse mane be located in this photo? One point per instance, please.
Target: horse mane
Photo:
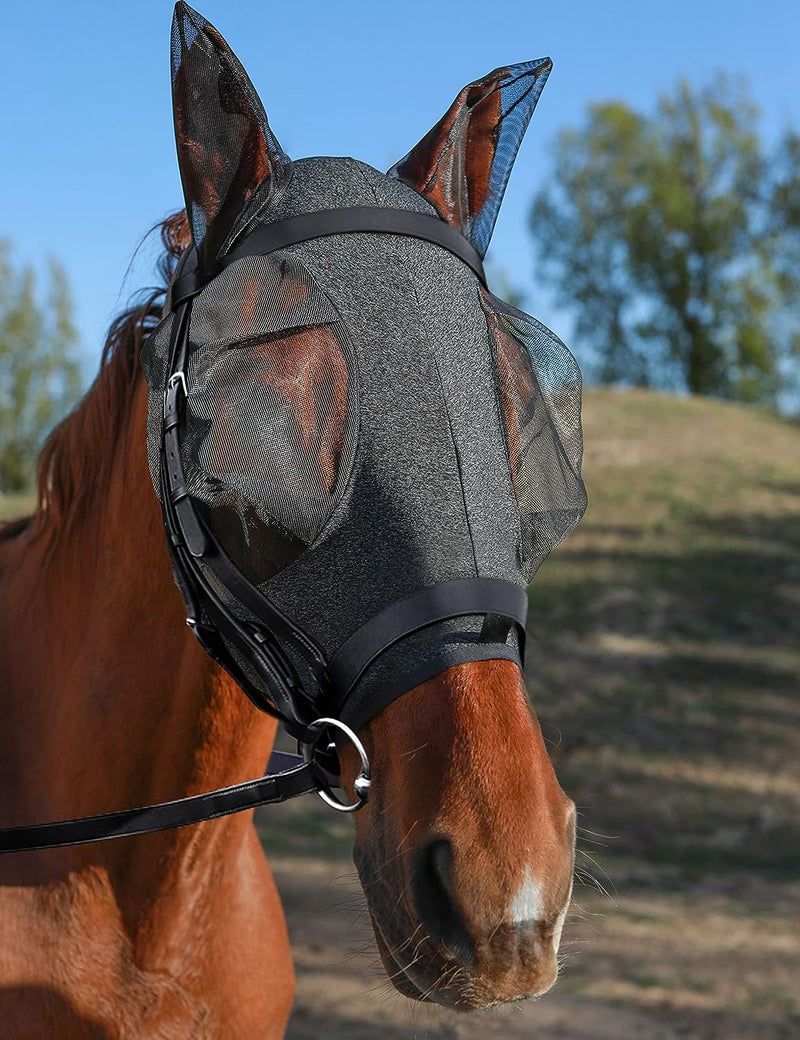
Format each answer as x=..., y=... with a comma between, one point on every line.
x=78, y=454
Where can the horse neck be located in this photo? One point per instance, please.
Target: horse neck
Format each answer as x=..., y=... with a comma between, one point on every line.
x=108, y=700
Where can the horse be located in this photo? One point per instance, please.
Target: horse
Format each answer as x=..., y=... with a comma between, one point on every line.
x=464, y=850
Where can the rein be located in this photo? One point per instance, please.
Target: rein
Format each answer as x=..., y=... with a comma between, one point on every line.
x=303, y=776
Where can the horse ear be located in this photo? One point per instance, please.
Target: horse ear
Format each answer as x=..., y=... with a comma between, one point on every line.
x=230, y=161
x=462, y=165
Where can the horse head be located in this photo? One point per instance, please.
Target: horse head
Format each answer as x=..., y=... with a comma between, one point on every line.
x=379, y=445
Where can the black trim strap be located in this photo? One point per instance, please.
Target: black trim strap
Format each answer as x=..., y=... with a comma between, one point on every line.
x=190, y=543
x=357, y=711
x=460, y=597
x=306, y=226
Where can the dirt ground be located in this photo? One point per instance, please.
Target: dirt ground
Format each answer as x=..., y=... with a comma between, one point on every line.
x=711, y=961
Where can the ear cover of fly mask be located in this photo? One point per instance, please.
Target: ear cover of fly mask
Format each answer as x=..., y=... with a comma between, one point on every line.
x=231, y=164
x=539, y=387
x=463, y=163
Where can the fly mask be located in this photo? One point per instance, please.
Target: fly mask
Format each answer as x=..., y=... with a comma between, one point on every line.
x=370, y=453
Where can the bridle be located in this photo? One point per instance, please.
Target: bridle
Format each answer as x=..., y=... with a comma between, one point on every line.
x=260, y=633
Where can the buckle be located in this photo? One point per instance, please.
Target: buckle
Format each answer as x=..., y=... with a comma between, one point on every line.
x=362, y=782
x=177, y=379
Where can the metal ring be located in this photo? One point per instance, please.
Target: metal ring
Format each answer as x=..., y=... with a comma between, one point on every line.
x=361, y=784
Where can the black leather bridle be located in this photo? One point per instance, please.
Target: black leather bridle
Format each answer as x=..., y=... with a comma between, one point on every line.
x=201, y=566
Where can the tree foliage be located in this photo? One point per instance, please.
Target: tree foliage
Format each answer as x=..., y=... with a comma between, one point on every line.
x=39, y=373
x=785, y=229
x=662, y=232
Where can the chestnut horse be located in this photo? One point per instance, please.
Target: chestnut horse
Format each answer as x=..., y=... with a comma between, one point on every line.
x=465, y=849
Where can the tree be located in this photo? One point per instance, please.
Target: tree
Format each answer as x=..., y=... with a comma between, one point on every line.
x=39, y=373
x=785, y=210
x=785, y=230
x=501, y=284
x=657, y=231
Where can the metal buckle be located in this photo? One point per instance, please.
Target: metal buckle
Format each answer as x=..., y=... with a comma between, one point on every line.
x=362, y=782
x=175, y=379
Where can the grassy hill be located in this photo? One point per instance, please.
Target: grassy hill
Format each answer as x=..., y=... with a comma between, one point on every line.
x=666, y=633
x=665, y=664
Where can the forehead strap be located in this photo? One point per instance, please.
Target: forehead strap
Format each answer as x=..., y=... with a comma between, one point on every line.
x=306, y=226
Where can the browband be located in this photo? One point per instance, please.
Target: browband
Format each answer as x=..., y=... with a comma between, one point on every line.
x=306, y=226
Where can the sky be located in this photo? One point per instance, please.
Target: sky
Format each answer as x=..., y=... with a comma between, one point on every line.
x=86, y=124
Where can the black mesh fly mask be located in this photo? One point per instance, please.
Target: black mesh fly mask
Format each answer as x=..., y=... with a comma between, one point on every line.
x=356, y=488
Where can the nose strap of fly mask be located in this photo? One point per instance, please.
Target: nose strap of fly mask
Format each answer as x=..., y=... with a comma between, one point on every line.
x=253, y=643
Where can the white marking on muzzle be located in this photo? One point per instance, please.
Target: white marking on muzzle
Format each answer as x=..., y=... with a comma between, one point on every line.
x=527, y=903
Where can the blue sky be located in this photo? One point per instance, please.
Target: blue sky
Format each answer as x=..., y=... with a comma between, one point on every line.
x=88, y=155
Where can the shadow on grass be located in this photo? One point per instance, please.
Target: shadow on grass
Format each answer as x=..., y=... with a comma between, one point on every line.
x=728, y=578
x=695, y=826
x=674, y=692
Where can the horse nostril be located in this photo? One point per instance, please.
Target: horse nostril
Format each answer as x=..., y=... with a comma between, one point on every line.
x=431, y=887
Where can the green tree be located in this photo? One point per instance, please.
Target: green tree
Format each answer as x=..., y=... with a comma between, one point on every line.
x=785, y=209
x=785, y=229
x=39, y=373
x=501, y=284
x=656, y=231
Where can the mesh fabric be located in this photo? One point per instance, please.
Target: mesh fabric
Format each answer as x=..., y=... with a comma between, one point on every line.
x=229, y=155
x=463, y=163
x=271, y=419
x=539, y=384
x=363, y=422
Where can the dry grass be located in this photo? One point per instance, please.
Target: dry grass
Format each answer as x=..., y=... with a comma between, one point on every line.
x=666, y=669
x=13, y=506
